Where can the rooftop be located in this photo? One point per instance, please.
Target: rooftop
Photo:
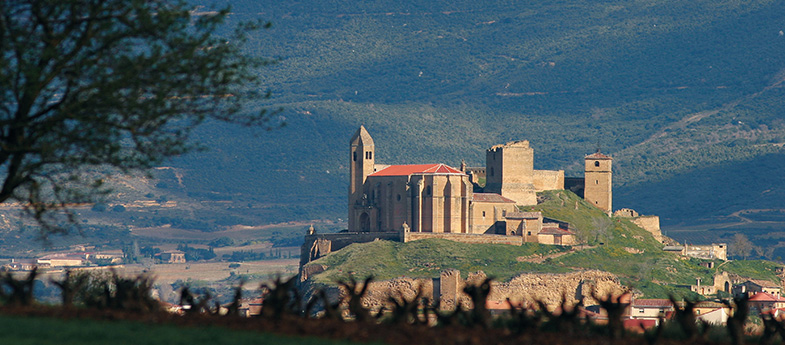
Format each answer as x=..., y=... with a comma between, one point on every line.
x=490, y=197
x=554, y=229
x=598, y=155
x=406, y=170
x=654, y=302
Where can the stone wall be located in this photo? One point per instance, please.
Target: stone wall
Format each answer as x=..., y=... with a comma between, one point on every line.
x=527, y=288
x=650, y=224
x=550, y=288
x=548, y=180
x=465, y=238
x=318, y=245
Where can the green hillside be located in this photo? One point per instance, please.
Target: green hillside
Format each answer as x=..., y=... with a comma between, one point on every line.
x=615, y=245
x=672, y=90
x=687, y=97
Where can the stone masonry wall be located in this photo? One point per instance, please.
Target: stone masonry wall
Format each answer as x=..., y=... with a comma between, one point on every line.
x=650, y=224
x=529, y=288
x=548, y=180
x=465, y=238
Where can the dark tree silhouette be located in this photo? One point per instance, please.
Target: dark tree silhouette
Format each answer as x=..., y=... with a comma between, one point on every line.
x=91, y=88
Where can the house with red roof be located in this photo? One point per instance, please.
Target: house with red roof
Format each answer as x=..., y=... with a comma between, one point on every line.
x=764, y=301
x=653, y=309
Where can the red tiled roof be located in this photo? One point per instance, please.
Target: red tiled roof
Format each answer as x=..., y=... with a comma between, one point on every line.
x=406, y=170
x=490, y=197
x=598, y=155
x=554, y=230
x=654, y=302
x=765, y=297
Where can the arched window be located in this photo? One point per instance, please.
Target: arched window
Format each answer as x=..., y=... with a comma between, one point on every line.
x=398, y=197
x=596, y=163
x=354, y=156
x=428, y=190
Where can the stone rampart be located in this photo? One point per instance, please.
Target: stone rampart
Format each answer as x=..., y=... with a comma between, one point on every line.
x=528, y=288
x=650, y=224
x=465, y=238
x=318, y=245
x=548, y=180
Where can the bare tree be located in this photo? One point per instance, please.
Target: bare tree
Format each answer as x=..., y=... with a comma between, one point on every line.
x=91, y=88
x=741, y=246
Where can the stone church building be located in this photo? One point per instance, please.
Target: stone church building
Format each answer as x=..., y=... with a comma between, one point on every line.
x=410, y=202
x=436, y=198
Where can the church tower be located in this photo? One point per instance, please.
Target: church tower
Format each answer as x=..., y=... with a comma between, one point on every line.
x=598, y=183
x=361, y=163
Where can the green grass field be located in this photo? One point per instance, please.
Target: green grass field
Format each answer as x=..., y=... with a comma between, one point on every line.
x=20, y=330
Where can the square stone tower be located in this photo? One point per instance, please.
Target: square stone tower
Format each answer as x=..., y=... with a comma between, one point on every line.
x=510, y=172
x=598, y=183
x=361, y=163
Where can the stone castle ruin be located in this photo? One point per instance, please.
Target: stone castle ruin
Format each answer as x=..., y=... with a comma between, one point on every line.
x=448, y=289
x=411, y=202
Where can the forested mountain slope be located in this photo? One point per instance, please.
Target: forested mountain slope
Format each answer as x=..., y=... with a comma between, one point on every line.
x=687, y=97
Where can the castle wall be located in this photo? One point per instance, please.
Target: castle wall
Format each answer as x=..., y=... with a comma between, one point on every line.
x=323, y=244
x=562, y=240
x=650, y=224
x=548, y=180
x=465, y=238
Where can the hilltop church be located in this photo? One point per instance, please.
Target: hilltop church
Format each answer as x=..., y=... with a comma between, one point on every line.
x=411, y=202
x=436, y=198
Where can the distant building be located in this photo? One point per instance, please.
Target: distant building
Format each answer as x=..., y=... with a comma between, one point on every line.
x=172, y=257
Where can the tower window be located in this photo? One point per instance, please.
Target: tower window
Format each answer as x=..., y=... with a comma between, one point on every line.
x=596, y=181
x=483, y=213
x=368, y=155
x=354, y=156
x=399, y=197
x=491, y=171
x=428, y=191
x=596, y=163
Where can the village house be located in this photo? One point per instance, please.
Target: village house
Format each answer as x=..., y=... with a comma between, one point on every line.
x=764, y=301
x=652, y=309
x=754, y=286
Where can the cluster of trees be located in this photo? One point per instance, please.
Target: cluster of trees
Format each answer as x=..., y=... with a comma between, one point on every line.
x=742, y=247
x=196, y=254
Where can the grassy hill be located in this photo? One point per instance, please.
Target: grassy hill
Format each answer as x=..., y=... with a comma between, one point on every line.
x=615, y=245
x=671, y=90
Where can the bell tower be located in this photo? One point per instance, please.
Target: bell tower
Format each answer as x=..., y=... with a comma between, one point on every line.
x=598, y=181
x=361, y=163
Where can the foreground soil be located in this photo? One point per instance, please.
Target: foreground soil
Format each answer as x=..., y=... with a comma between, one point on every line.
x=322, y=329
